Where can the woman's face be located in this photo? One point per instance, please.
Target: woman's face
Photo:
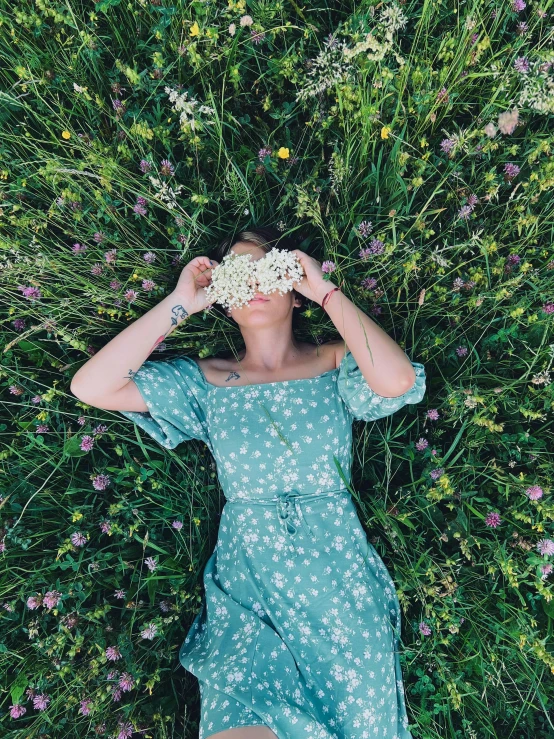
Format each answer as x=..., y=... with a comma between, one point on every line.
x=262, y=309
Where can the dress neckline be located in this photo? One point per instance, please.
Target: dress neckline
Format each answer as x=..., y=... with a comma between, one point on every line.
x=261, y=384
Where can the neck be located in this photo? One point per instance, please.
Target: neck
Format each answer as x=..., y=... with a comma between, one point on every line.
x=268, y=349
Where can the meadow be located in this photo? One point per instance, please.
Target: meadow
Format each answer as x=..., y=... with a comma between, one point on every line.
x=409, y=145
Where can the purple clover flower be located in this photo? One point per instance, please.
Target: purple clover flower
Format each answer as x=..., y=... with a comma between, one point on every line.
x=113, y=654
x=78, y=539
x=510, y=171
x=31, y=293
x=546, y=547
x=521, y=64
x=87, y=443
x=493, y=519
x=534, y=492
x=101, y=482
x=365, y=228
x=264, y=152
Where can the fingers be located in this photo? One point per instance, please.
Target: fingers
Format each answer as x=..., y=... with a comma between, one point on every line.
x=202, y=264
x=205, y=260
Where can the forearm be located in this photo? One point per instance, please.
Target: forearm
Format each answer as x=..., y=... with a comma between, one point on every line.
x=384, y=365
x=115, y=364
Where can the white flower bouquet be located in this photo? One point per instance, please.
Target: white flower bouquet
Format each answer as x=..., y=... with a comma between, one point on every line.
x=238, y=277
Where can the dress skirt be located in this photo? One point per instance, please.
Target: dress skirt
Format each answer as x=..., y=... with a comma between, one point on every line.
x=299, y=628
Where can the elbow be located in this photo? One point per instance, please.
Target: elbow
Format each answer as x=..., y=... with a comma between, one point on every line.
x=401, y=388
x=75, y=389
x=410, y=379
x=79, y=392
x=408, y=383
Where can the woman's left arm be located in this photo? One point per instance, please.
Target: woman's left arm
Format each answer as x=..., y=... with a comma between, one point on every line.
x=384, y=365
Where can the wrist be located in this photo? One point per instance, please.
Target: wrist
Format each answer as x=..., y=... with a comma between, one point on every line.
x=181, y=303
x=324, y=289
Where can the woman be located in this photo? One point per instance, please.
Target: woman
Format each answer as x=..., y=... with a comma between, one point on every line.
x=299, y=630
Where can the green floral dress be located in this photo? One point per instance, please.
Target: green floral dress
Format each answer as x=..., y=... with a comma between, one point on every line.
x=299, y=628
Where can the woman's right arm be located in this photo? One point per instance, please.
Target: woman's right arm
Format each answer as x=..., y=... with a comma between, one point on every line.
x=105, y=381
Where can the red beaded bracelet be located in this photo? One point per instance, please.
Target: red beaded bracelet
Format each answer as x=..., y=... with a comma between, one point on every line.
x=328, y=295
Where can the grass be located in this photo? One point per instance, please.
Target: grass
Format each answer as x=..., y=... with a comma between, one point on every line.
x=417, y=160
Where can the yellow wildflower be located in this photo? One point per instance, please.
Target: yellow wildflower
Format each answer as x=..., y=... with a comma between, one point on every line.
x=66, y=134
x=283, y=153
x=385, y=132
x=195, y=29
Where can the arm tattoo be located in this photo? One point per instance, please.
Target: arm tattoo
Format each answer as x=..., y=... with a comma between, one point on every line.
x=158, y=341
x=130, y=375
x=178, y=314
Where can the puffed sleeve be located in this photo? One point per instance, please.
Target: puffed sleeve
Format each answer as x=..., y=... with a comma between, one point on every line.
x=362, y=402
x=175, y=393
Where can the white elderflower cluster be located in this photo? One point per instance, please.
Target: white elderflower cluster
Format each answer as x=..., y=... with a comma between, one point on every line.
x=237, y=279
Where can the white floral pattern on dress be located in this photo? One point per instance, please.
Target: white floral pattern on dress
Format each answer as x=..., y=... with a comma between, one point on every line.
x=299, y=628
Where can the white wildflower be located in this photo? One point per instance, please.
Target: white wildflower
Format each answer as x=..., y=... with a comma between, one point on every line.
x=538, y=85
x=190, y=114
x=338, y=170
x=391, y=20
x=166, y=193
x=542, y=378
x=508, y=120
x=329, y=67
x=238, y=277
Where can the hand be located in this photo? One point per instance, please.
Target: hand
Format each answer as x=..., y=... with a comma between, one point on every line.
x=313, y=285
x=193, y=280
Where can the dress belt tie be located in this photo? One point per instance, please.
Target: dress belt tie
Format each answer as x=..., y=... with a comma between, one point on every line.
x=286, y=502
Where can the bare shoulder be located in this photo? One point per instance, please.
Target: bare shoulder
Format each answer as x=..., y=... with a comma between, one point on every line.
x=204, y=363
x=213, y=367
x=318, y=358
x=336, y=347
x=213, y=363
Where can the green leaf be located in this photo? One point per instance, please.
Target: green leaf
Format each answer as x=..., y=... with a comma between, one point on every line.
x=105, y=5
x=18, y=687
x=150, y=544
x=548, y=608
x=172, y=564
x=406, y=522
x=152, y=589
x=72, y=447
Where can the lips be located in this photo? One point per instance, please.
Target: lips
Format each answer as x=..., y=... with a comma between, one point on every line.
x=259, y=300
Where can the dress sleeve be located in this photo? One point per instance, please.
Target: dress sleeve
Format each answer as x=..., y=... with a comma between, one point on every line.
x=175, y=393
x=365, y=404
